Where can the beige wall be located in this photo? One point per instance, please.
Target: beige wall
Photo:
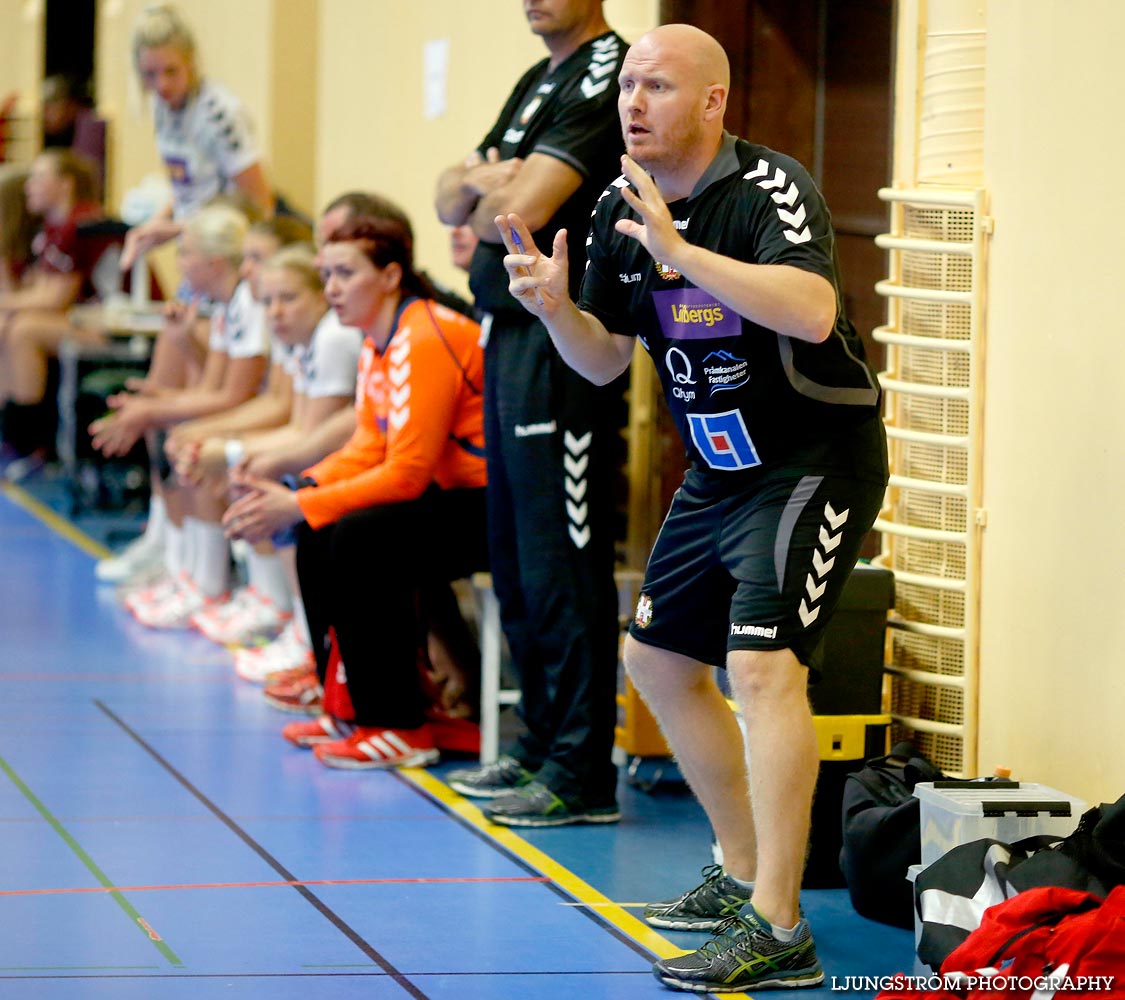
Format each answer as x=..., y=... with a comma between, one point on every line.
x=372, y=130
x=263, y=50
x=21, y=64
x=1053, y=643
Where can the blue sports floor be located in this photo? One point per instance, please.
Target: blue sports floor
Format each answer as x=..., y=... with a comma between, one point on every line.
x=158, y=839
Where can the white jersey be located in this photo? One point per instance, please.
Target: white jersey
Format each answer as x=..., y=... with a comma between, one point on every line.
x=327, y=364
x=204, y=145
x=238, y=329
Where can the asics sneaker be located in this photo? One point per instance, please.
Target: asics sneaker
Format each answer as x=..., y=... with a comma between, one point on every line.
x=503, y=775
x=703, y=908
x=248, y=615
x=151, y=593
x=536, y=805
x=278, y=662
x=372, y=747
x=176, y=610
x=744, y=955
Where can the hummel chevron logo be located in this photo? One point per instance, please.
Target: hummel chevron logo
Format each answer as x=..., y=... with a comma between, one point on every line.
x=820, y=564
x=399, y=352
x=591, y=90
x=400, y=396
x=778, y=180
x=760, y=170
x=789, y=198
x=397, y=418
x=793, y=219
x=576, y=468
x=815, y=592
x=576, y=489
x=835, y=520
x=829, y=541
x=808, y=616
x=597, y=71
x=575, y=445
x=802, y=237
x=580, y=538
x=577, y=514
x=399, y=375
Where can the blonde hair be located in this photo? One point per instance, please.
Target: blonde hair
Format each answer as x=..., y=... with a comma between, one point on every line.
x=219, y=231
x=299, y=259
x=161, y=24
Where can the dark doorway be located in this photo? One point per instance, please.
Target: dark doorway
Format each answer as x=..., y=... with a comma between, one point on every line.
x=69, y=42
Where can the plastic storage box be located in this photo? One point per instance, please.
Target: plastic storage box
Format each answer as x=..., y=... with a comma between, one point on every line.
x=959, y=812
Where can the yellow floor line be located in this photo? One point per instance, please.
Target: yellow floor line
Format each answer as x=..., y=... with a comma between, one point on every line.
x=583, y=892
x=56, y=522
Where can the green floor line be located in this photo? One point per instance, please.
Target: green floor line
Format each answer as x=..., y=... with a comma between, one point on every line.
x=94, y=870
x=74, y=968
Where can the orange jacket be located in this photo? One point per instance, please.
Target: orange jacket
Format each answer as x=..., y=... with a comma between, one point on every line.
x=419, y=418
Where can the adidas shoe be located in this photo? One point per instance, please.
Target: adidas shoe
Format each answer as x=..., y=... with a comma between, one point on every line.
x=745, y=955
x=704, y=908
x=142, y=559
x=279, y=662
x=304, y=695
x=372, y=747
x=502, y=776
x=536, y=805
x=322, y=729
x=248, y=615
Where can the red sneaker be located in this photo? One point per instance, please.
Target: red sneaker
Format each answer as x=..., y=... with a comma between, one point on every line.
x=301, y=695
x=322, y=729
x=453, y=734
x=372, y=747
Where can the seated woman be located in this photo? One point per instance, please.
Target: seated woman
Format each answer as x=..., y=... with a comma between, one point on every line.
x=17, y=226
x=196, y=553
x=33, y=317
x=399, y=507
x=321, y=355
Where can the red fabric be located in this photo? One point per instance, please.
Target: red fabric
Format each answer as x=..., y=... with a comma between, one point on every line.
x=1035, y=935
x=58, y=249
x=337, y=701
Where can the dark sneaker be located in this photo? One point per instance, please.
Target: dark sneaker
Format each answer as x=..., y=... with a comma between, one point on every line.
x=744, y=955
x=502, y=776
x=703, y=908
x=536, y=805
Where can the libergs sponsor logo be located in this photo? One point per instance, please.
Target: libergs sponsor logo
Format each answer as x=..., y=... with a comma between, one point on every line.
x=709, y=315
x=693, y=314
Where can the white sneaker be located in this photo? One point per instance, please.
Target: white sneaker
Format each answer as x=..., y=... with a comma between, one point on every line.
x=176, y=610
x=159, y=590
x=246, y=618
x=286, y=652
x=141, y=558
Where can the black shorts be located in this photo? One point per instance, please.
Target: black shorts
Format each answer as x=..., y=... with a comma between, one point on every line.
x=758, y=569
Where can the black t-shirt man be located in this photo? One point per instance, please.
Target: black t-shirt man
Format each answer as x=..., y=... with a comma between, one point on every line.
x=568, y=113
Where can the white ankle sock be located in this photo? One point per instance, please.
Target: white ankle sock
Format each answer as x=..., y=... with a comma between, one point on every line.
x=210, y=555
x=266, y=574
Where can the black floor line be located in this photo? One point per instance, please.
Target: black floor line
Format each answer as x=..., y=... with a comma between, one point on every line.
x=310, y=897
